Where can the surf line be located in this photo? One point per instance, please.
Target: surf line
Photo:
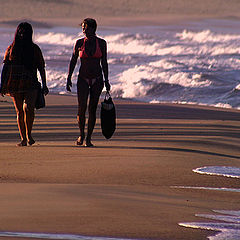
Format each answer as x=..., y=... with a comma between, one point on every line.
x=208, y=188
x=55, y=236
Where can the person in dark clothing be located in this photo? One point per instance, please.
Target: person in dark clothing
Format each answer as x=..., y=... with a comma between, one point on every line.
x=22, y=60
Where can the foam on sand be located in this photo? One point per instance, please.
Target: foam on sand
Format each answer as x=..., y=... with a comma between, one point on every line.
x=229, y=229
x=232, y=172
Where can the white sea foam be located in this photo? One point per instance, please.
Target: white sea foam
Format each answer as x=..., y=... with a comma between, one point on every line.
x=225, y=218
x=209, y=188
x=55, y=38
x=207, y=36
x=229, y=230
x=194, y=64
x=232, y=172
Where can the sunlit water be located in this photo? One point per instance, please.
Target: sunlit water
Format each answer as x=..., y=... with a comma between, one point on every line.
x=196, y=62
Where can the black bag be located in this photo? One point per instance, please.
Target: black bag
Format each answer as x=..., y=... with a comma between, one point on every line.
x=40, y=101
x=108, y=116
x=4, y=77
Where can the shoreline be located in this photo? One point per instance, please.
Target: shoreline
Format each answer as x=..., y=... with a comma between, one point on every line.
x=136, y=101
x=73, y=97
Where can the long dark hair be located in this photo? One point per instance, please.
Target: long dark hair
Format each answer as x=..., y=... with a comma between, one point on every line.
x=22, y=46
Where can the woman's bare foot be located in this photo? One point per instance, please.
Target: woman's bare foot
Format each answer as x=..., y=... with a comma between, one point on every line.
x=80, y=140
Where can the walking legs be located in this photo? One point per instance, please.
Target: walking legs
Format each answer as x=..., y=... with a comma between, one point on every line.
x=83, y=92
x=24, y=104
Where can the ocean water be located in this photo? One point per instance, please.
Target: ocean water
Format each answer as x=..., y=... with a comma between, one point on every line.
x=193, y=62
x=227, y=222
x=55, y=236
x=225, y=171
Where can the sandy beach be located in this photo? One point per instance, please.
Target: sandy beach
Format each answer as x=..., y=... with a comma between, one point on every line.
x=122, y=187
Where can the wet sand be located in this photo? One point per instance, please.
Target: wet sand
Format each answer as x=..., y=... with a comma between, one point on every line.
x=123, y=186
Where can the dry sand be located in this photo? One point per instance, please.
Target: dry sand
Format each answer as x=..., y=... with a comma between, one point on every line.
x=121, y=187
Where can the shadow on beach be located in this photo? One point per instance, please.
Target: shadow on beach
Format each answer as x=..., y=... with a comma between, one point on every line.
x=149, y=123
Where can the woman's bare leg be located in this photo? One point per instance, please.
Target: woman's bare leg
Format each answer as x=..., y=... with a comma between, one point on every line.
x=18, y=103
x=95, y=92
x=29, y=119
x=83, y=91
x=28, y=107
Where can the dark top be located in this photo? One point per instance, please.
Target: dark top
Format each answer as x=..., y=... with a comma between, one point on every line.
x=18, y=78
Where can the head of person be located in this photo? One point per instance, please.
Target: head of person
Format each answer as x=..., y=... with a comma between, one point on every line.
x=89, y=27
x=24, y=33
x=22, y=45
